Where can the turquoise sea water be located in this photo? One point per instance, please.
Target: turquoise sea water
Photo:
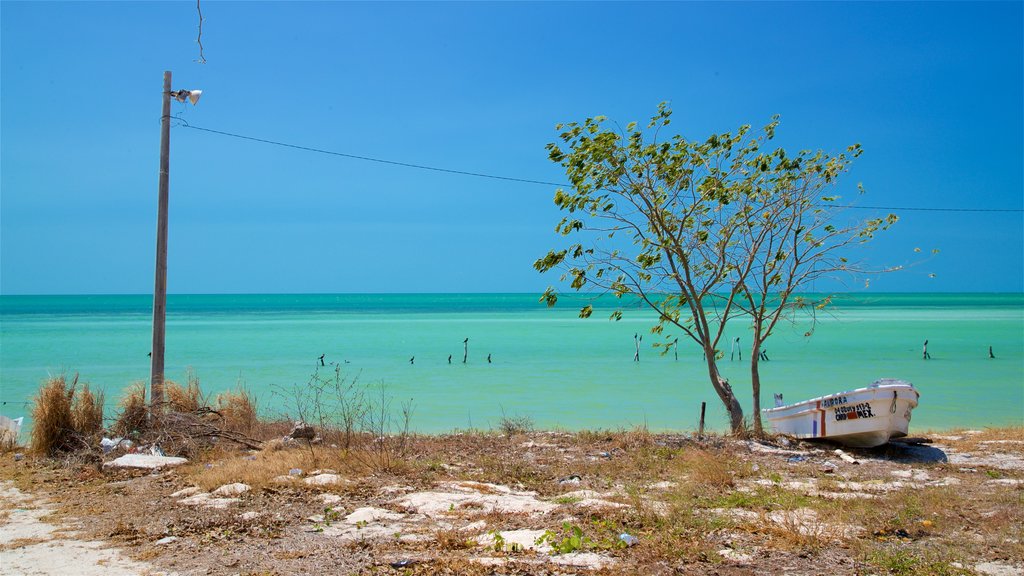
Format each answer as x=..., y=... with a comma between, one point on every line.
x=546, y=363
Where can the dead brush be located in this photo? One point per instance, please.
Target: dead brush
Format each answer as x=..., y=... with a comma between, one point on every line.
x=133, y=418
x=87, y=412
x=708, y=469
x=53, y=424
x=801, y=529
x=186, y=399
x=64, y=417
x=514, y=425
x=238, y=411
x=263, y=469
x=452, y=539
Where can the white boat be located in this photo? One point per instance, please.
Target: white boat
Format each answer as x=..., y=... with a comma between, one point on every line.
x=860, y=418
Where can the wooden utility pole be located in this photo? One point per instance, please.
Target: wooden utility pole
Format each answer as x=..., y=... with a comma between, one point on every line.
x=156, y=378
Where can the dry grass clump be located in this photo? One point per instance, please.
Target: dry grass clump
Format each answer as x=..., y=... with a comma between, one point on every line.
x=709, y=469
x=87, y=412
x=65, y=418
x=134, y=414
x=238, y=411
x=262, y=468
x=185, y=399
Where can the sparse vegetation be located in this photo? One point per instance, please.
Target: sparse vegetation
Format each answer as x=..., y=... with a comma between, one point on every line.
x=514, y=425
x=65, y=418
x=645, y=502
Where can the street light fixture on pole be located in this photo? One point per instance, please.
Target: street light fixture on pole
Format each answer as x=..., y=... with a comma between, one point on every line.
x=156, y=380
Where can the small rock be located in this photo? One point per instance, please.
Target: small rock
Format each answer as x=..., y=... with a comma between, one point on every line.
x=18, y=456
x=146, y=461
x=185, y=492
x=232, y=489
x=251, y=515
x=998, y=569
x=733, y=555
x=323, y=480
x=330, y=498
x=301, y=430
x=166, y=540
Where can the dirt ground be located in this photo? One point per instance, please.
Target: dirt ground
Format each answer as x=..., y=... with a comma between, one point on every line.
x=626, y=502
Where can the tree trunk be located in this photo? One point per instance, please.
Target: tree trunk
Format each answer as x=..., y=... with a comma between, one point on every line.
x=725, y=393
x=755, y=385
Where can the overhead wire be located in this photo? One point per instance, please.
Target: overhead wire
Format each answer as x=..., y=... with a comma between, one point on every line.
x=185, y=124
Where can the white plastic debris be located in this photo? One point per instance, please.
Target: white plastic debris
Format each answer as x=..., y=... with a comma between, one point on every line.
x=110, y=444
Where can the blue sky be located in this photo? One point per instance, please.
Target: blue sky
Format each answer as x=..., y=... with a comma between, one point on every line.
x=933, y=91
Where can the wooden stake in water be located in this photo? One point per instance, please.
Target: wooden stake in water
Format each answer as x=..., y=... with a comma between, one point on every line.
x=700, y=430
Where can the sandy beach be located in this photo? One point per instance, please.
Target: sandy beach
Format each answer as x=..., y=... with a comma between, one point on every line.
x=525, y=502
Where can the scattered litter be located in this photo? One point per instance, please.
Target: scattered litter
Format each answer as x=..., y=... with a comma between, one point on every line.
x=792, y=459
x=571, y=479
x=18, y=456
x=402, y=563
x=10, y=428
x=166, y=540
x=828, y=467
x=250, y=515
x=295, y=472
x=250, y=458
x=108, y=445
x=628, y=539
x=605, y=455
x=156, y=450
x=890, y=534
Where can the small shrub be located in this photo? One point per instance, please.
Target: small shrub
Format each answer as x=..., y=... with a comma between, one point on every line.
x=238, y=410
x=134, y=415
x=186, y=399
x=64, y=418
x=87, y=412
x=512, y=425
x=53, y=426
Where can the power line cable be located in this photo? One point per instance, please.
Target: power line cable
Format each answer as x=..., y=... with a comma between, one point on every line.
x=542, y=182
x=379, y=160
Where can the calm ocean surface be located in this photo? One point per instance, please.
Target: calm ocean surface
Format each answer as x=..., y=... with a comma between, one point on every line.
x=546, y=363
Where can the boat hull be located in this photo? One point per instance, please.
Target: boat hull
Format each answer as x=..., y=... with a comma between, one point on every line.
x=861, y=418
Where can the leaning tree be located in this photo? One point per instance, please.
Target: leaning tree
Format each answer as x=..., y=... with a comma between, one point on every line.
x=685, y=226
x=792, y=234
